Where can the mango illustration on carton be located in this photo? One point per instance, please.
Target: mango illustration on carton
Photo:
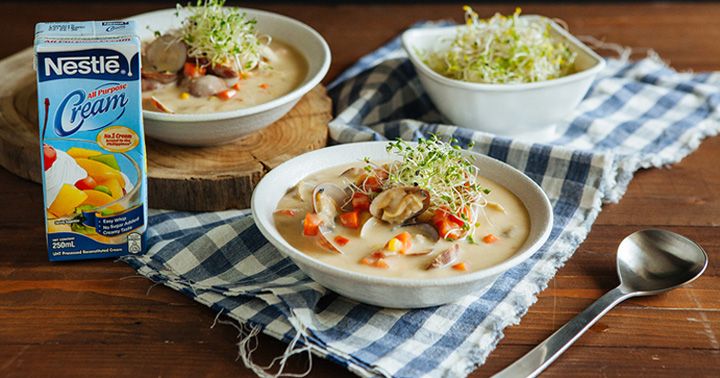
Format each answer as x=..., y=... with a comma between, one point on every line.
x=91, y=133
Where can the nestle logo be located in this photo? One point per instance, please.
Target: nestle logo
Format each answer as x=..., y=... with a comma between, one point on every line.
x=95, y=64
x=83, y=65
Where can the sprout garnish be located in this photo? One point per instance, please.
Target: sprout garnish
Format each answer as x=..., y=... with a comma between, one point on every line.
x=502, y=49
x=223, y=36
x=445, y=171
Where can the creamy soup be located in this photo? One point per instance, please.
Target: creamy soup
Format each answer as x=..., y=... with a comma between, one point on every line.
x=503, y=216
x=285, y=72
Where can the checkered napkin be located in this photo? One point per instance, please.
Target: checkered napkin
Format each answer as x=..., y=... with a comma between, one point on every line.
x=636, y=115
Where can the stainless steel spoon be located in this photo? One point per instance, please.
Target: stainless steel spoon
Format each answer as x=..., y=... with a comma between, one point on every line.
x=649, y=262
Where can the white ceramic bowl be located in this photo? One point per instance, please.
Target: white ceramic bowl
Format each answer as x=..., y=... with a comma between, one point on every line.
x=394, y=292
x=223, y=127
x=528, y=109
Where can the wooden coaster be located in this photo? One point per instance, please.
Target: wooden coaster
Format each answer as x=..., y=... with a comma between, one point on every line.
x=179, y=178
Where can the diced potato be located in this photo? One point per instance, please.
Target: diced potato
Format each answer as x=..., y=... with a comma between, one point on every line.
x=99, y=171
x=115, y=188
x=496, y=206
x=68, y=198
x=83, y=153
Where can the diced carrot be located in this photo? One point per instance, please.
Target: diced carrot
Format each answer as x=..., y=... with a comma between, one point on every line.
x=455, y=219
x=350, y=219
x=288, y=212
x=372, y=184
x=448, y=229
x=380, y=263
x=460, y=266
x=311, y=224
x=226, y=94
x=366, y=261
x=406, y=240
x=341, y=240
x=236, y=86
x=439, y=215
x=264, y=86
x=360, y=201
x=193, y=70
x=378, y=254
x=489, y=238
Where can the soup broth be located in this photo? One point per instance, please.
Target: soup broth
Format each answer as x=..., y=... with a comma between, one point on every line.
x=286, y=72
x=505, y=217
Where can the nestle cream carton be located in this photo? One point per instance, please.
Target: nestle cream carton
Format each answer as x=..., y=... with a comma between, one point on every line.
x=91, y=138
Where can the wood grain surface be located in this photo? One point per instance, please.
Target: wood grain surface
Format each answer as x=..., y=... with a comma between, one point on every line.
x=201, y=178
x=95, y=318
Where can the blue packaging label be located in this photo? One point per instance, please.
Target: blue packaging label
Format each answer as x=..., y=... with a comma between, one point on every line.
x=91, y=136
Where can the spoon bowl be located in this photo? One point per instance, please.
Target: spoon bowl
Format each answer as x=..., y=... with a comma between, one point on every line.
x=649, y=262
x=653, y=261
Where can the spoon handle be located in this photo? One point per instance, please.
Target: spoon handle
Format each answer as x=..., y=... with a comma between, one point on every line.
x=535, y=361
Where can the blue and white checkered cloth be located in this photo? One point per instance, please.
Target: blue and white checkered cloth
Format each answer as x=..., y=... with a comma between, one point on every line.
x=636, y=115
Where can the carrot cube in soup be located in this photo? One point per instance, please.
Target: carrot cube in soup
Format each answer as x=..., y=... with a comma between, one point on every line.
x=489, y=239
x=440, y=215
x=406, y=240
x=381, y=263
x=341, y=240
x=460, y=266
x=350, y=219
x=227, y=94
x=360, y=201
x=372, y=184
x=311, y=224
x=448, y=229
x=366, y=261
x=193, y=70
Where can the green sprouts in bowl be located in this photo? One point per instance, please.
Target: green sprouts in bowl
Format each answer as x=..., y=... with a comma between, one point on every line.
x=222, y=35
x=502, y=50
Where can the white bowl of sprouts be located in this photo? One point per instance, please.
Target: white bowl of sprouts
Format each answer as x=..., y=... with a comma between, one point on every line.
x=511, y=75
x=212, y=74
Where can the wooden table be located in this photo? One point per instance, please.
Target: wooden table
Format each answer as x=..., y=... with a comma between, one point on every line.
x=95, y=318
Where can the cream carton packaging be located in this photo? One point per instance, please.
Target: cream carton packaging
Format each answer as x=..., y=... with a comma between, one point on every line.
x=91, y=138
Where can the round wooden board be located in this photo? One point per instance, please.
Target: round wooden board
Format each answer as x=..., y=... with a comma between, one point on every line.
x=179, y=178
